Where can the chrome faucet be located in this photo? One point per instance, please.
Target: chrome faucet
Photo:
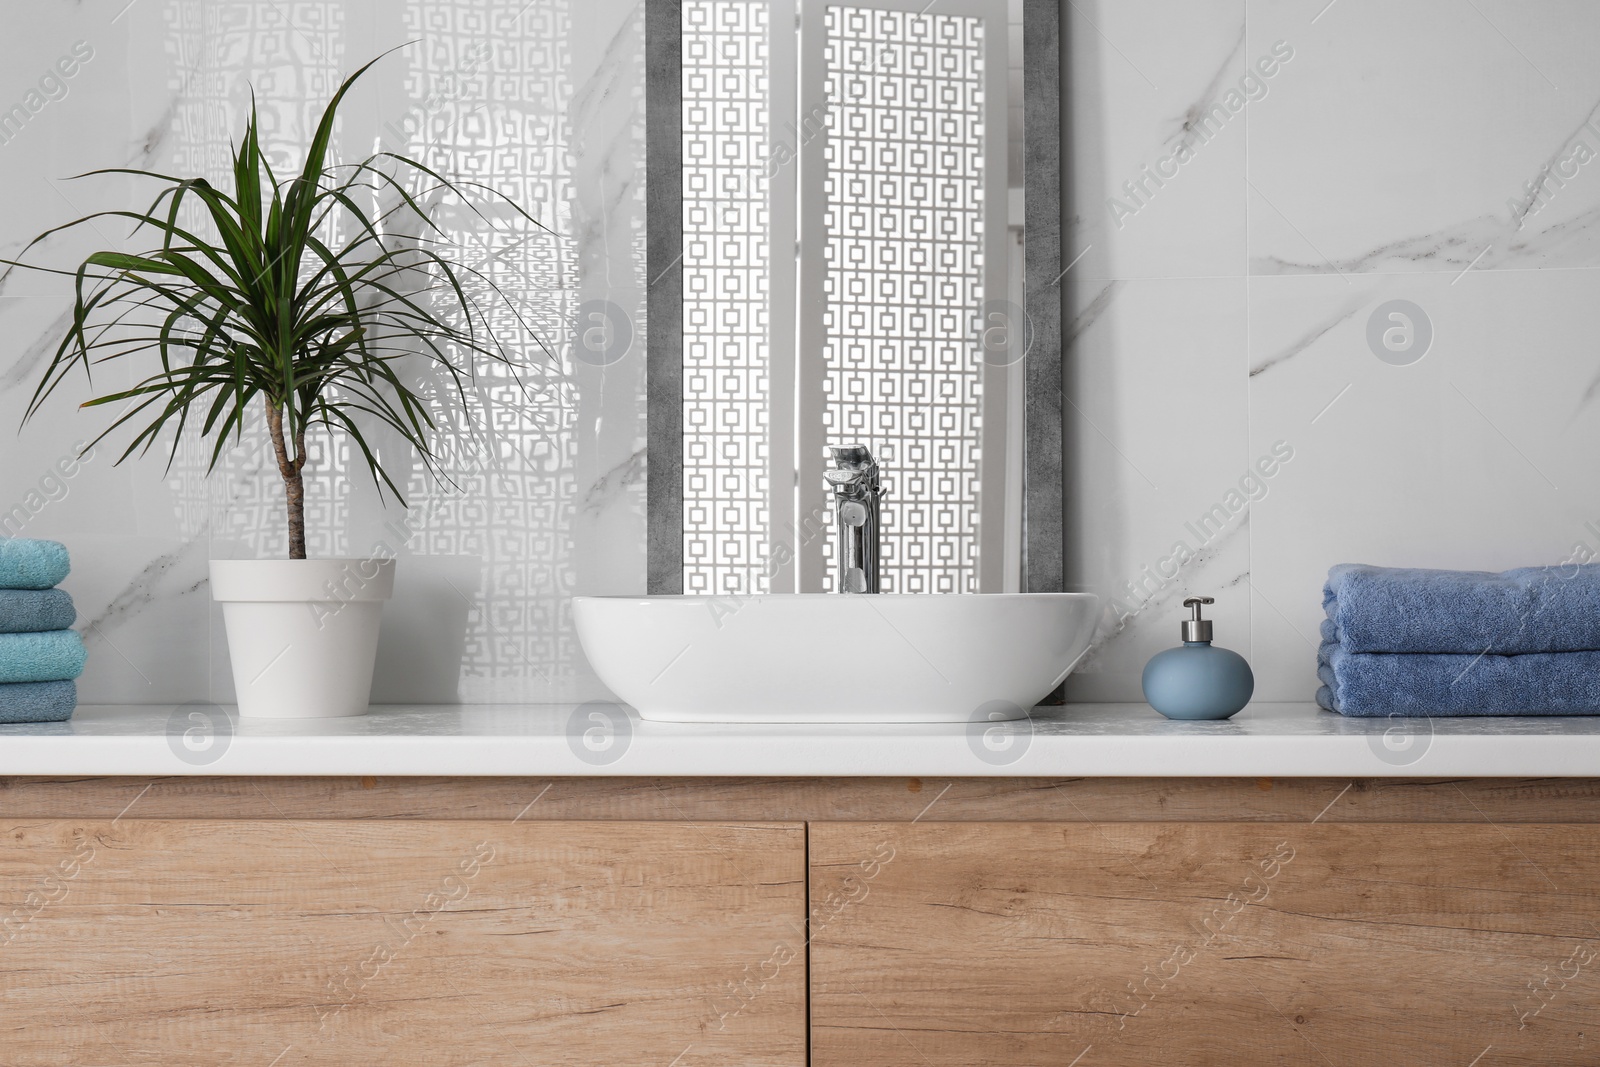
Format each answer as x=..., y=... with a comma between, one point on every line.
x=855, y=497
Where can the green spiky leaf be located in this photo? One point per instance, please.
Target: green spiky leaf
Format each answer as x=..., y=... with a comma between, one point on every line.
x=299, y=308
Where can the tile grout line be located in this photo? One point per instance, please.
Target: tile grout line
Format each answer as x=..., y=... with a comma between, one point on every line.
x=1249, y=385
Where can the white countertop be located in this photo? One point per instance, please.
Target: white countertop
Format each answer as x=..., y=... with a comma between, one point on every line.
x=1283, y=740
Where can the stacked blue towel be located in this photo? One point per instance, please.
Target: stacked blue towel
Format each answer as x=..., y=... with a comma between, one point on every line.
x=40, y=656
x=1402, y=641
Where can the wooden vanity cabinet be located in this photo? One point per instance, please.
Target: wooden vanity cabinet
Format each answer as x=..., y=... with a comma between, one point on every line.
x=281, y=942
x=842, y=922
x=1205, y=943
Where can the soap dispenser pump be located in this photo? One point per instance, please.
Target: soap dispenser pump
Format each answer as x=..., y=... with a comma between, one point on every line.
x=1197, y=680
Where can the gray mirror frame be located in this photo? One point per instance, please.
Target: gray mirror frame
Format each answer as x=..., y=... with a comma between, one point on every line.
x=1043, y=507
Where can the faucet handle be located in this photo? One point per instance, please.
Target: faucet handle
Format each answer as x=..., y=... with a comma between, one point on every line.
x=856, y=492
x=852, y=457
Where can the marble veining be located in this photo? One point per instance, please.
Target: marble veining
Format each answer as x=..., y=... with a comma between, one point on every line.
x=1187, y=132
x=30, y=364
x=1545, y=174
x=1092, y=311
x=1317, y=332
x=1160, y=606
x=149, y=146
x=611, y=485
x=147, y=586
x=1490, y=242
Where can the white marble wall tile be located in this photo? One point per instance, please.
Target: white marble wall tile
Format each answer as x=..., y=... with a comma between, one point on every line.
x=1476, y=456
x=607, y=349
x=1157, y=437
x=1387, y=174
x=1377, y=165
x=1140, y=74
x=145, y=614
x=1402, y=129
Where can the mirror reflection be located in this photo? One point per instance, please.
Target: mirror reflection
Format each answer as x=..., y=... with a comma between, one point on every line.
x=853, y=257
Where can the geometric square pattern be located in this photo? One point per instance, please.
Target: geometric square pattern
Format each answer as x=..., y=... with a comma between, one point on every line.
x=292, y=55
x=904, y=279
x=726, y=276
x=492, y=97
x=490, y=100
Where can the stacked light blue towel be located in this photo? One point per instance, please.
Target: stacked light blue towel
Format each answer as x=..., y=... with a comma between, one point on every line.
x=1404, y=641
x=40, y=656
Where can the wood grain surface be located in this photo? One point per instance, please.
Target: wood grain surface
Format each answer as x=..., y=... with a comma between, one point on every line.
x=809, y=799
x=1200, y=944
x=423, y=942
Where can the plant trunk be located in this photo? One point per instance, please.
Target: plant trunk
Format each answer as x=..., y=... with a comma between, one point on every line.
x=293, y=484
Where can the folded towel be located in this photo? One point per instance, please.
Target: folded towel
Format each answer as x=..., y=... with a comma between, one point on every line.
x=1531, y=609
x=38, y=701
x=31, y=611
x=50, y=657
x=30, y=564
x=1537, y=683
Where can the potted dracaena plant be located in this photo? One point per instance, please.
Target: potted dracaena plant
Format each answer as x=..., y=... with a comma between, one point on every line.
x=297, y=302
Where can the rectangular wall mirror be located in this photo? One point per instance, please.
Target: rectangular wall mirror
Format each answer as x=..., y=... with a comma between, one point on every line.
x=854, y=239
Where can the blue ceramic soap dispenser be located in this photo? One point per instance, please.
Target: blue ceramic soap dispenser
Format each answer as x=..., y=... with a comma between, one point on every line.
x=1197, y=680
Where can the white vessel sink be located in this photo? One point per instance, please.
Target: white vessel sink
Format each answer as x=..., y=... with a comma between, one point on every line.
x=829, y=657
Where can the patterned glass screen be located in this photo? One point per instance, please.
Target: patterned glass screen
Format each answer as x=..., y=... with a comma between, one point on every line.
x=494, y=107
x=490, y=101
x=293, y=61
x=903, y=214
x=725, y=313
x=904, y=218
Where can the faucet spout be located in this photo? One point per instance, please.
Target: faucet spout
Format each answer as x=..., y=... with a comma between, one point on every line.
x=856, y=492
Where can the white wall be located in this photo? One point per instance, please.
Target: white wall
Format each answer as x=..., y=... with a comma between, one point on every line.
x=1229, y=310
x=1224, y=314
x=545, y=101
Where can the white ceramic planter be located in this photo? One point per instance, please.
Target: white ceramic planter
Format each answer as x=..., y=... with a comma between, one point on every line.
x=302, y=633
